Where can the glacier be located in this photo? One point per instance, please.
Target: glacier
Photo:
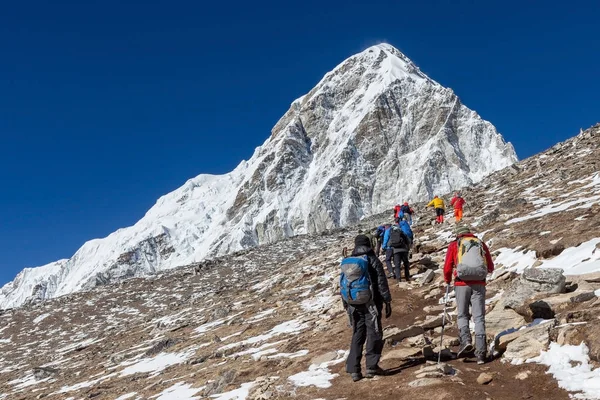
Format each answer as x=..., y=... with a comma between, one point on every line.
x=373, y=132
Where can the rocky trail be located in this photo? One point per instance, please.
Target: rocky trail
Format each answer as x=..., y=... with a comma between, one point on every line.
x=267, y=323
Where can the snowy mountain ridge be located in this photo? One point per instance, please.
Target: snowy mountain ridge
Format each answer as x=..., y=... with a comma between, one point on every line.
x=375, y=130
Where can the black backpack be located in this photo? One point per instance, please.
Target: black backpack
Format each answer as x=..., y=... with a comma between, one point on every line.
x=397, y=238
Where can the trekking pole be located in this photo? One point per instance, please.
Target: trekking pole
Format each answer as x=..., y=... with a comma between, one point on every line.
x=443, y=323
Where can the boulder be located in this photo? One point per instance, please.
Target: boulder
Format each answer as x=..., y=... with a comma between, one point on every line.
x=484, y=378
x=549, y=280
x=501, y=320
x=532, y=282
x=432, y=322
x=528, y=343
x=427, y=277
x=537, y=331
x=396, y=334
x=40, y=373
x=426, y=382
x=401, y=353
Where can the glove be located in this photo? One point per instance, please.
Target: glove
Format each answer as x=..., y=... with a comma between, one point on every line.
x=388, y=310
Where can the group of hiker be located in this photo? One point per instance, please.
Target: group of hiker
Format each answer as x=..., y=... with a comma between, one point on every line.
x=439, y=206
x=365, y=291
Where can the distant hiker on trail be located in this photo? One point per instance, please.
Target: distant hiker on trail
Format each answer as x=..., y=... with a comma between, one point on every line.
x=378, y=234
x=468, y=261
x=389, y=252
x=397, y=245
x=364, y=291
x=397, y=209
x=407, y=211
x=458, y=202
x=439, y=206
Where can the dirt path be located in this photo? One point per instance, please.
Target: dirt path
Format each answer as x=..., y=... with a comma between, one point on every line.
x=406, y=306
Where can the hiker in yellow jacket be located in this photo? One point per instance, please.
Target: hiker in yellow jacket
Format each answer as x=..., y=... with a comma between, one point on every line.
x=439, y=206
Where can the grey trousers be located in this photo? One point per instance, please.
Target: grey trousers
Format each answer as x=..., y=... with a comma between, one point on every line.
x=472, y=296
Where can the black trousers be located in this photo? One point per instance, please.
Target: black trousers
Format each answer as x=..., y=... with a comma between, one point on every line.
x=378, y=247
x=389, y=255
x=399, y=258
x=365, y=327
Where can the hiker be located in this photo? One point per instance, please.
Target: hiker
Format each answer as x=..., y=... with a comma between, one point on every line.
x=364, y=291
x=396, y=210
x=407, y=211
x=458, y=202
x=397, y=246
x=438, y=204
x=388, y=251
x=468, y=261
x=378, y=234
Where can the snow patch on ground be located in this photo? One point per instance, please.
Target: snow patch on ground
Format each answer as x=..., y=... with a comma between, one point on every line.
x=582, y=259
x=238, y=394
x=321, y=301
x=570, y=366
x=289, y=327
x=126, y=396
x=40, y=318
x=318, y=375
x=514, y=260
x=179, y=391
x=158, y=363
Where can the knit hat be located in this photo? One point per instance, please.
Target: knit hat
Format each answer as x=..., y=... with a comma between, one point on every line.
x=362, y=240
x=461, y=230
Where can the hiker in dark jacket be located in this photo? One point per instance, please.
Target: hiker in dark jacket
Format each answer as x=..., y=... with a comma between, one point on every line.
x=366, y=319
x=399, y=251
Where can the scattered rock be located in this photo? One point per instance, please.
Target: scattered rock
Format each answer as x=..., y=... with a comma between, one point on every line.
x=160, y=346
x=432, y=322
x=217, y=386
x=396, y=334
x=523, y=375
x=583, y=297
x=528, y=343
x=401, y=353
x=484, y=378
x=323, y=358
x=40, y=373
x=427, y=277
x=442, y=368
x=502, y=319
x=428, y=352
x=531, y=282
x=426, y=382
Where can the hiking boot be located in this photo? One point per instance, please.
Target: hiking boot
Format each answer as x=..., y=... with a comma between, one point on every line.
x=481, y=359
x=465, y=349
x=372, y=372
x=356, y=376
x=391, y=276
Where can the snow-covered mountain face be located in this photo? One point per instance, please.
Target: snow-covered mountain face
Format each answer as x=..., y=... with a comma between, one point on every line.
x=373, y=132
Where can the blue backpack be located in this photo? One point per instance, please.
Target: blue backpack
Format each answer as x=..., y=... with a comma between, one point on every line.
x=406, y=229
x=355, y=282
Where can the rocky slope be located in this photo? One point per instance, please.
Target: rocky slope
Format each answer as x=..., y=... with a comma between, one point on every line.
x=374, y=131
x=266, y=323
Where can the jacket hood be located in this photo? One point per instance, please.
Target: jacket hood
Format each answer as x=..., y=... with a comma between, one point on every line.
x=361, y=251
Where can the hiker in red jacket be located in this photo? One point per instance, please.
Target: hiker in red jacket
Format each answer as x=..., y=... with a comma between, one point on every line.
x=457, y=202
x=468, y=261
x=396, y=210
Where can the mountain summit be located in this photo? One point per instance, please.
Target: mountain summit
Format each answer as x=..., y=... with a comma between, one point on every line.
x=374, y=131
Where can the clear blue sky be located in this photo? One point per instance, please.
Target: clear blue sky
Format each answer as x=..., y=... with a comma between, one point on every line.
x=106, y=105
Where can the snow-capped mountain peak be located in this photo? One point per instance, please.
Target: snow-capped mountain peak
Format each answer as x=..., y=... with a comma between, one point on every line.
x=374, y=131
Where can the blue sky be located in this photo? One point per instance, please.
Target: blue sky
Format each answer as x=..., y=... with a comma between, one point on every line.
x=106, y=105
